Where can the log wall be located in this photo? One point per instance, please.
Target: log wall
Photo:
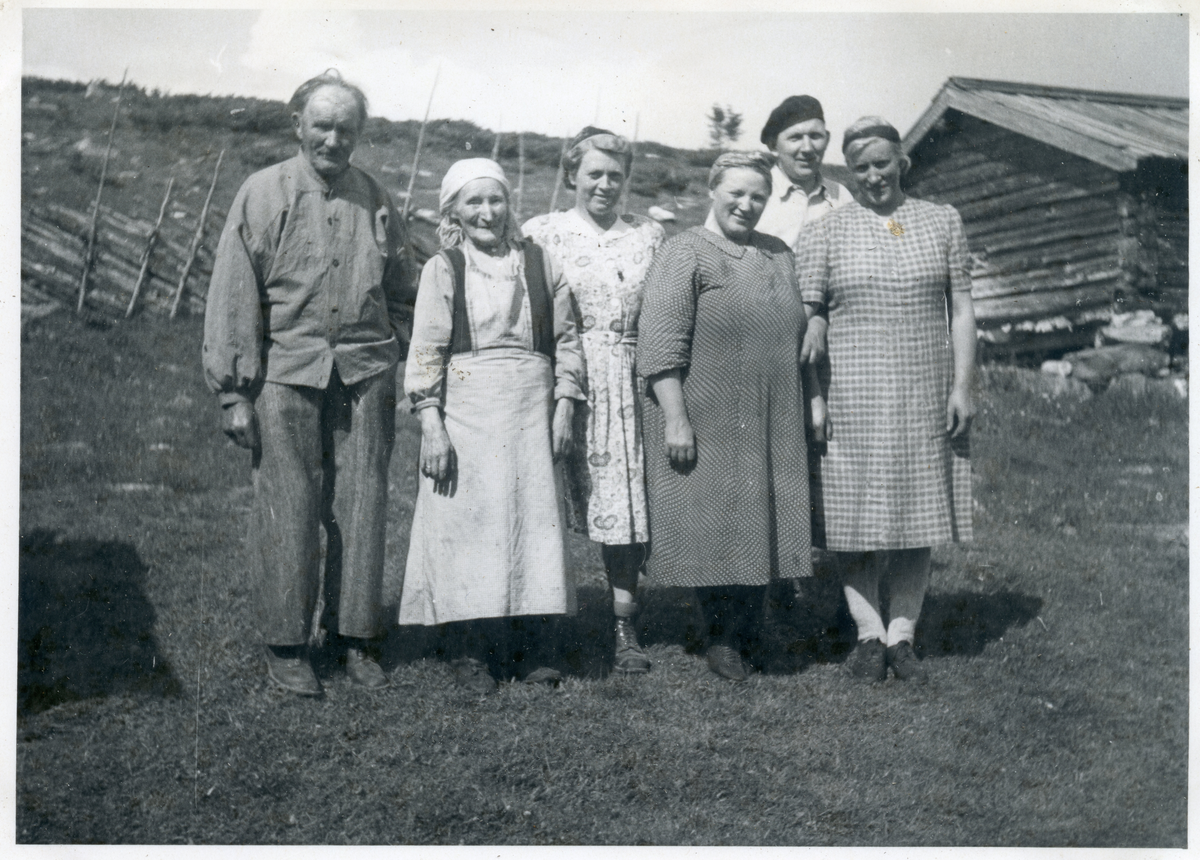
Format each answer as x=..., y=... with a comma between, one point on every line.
x=1055, y=239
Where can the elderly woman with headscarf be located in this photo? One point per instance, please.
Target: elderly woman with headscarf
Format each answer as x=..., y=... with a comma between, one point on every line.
x=605, y=257
x=494, y=371
x=721, y=328
x=895, y=477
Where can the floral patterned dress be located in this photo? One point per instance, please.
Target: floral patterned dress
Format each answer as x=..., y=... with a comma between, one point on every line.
x=606, y=481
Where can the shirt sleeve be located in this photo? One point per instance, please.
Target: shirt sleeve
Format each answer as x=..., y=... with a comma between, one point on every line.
x=812, y=264
x=668, y=317
x=233, y=318
x=399, y=272
x=959, y=255
x=569, y=378
x=433, y=320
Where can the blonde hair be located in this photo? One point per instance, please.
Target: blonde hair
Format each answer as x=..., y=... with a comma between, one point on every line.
x=867, y=130
x=599, y=139
x=760, y=162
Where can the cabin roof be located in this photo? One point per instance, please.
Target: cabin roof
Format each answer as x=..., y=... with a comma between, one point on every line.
x=1116, y=130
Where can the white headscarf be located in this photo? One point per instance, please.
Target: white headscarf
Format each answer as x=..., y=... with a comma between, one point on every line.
x=467, y=170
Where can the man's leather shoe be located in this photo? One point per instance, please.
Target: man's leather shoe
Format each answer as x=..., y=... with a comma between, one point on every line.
x=364, y=670
x=289, y=668
x=726, y=662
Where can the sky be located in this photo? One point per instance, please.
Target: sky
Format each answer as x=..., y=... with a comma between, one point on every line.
x=654, y=74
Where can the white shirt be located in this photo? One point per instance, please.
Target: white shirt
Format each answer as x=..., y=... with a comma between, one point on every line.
x=789, y=208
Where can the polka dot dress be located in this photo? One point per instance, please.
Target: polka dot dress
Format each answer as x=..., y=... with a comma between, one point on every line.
x=731, y=318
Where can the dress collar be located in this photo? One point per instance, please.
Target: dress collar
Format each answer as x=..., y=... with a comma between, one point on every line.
x=580, y=224
x=728, y=246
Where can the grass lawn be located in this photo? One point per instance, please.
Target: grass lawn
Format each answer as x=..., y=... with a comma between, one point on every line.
x=1057, y=643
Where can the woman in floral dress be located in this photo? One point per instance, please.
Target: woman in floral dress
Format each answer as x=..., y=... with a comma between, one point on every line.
x=605, y=257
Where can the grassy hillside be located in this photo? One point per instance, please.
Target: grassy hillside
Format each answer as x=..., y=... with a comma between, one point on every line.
x=65, y=130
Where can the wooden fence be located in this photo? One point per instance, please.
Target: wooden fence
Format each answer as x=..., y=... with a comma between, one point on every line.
x=54, y=245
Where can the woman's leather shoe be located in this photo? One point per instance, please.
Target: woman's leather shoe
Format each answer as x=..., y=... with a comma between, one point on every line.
x=629, y=658
x=726, y=662
x=472, y=675
x=364, y=670
x=869, y=661
x=905, y=665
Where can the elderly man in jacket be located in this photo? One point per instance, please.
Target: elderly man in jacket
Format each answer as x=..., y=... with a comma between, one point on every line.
x=301, y=342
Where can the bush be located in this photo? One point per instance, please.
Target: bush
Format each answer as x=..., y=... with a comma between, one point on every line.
x=653, y=179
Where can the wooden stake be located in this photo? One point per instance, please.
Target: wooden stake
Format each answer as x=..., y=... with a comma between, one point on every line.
x=412, y=176
x=520, y=192
x=496, y=147
x=562, y=155
x=637, y=121
x=196, y=239
x=89, y=255
x=150, y=242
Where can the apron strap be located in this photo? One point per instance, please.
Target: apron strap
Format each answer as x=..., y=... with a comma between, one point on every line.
x=541, y=301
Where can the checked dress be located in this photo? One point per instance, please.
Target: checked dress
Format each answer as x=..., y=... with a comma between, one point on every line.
x=891, y=477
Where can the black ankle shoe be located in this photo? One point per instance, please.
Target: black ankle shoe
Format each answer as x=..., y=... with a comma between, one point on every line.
x=905, y=665
x=869, y=661
x=629, y=658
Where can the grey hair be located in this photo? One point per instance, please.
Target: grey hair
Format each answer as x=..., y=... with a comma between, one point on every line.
x=328, y=78
x=450, y=233
x=760, y=162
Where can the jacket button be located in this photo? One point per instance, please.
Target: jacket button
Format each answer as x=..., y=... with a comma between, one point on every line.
x=336, y=264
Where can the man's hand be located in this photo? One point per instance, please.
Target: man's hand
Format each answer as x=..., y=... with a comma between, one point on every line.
x=240, y=424
x=812, y=351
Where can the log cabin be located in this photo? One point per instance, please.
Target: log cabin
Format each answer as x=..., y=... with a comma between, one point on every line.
x=1074, y=203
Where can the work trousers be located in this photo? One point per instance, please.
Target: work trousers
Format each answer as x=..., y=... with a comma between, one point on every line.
x=322, y=462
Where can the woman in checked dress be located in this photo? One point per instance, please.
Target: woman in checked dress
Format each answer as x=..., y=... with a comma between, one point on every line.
x=893, y=274
x=605, y=257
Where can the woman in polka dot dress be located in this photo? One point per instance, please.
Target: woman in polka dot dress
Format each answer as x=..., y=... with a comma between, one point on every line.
x=605, y=258
x=727, y=471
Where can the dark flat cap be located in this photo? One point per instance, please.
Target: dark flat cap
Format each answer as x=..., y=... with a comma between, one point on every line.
x=791, y=110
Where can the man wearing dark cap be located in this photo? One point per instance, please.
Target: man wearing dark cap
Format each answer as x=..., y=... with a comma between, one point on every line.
x=795, y=132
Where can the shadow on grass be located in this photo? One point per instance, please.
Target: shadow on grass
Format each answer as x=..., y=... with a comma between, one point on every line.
x=84, y=623
x=962, y=623
x=804, y=624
